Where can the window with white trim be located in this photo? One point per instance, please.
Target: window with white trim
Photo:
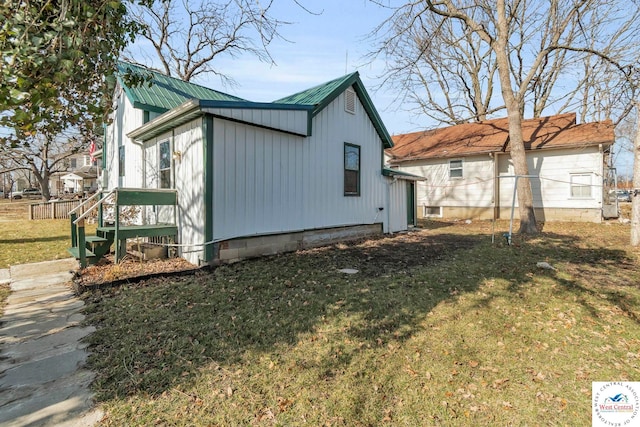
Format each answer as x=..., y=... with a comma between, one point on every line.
x=581, y=185
x=432, y=211
x=165, y=165
x=455, y=169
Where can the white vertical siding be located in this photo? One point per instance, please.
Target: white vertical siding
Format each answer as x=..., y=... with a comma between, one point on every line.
x=397, y=205
x=272, y=182
x=323, y=162
x=256, y=181
x=189, y=181
x=125, y=119
x=294, y=121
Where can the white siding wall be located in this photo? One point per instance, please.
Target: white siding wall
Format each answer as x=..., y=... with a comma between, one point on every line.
x=397, y=205
x=125, y=119
x=323, y=163
x=257, y=179
x=555, y=167
x=272, y=182
x=474, y=189
x=188, y=179
x=287, y=120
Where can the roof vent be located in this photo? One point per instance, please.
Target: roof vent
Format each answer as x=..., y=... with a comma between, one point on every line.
x=350, y=101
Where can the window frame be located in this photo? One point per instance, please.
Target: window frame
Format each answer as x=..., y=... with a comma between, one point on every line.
x=348, y=171
x=167, y=168
x=577, y=185
x=121, y=160
x=451, y=169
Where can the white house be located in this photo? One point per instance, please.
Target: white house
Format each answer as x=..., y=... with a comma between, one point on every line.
x=469, y=172
x=257, y=178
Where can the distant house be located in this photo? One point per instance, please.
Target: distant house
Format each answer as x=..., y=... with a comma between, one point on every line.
x=469, y=172
x=80, y=174
x=257, y=178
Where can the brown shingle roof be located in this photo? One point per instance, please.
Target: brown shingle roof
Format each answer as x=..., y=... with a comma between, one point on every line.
x=560, y=131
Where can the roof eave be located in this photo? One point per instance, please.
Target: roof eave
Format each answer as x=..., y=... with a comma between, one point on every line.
x=184, y=112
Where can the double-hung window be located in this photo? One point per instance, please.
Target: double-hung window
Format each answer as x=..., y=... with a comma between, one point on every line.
x=351, y=170
x=455, y=169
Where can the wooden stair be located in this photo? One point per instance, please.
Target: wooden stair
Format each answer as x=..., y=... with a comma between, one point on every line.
x=90, y=249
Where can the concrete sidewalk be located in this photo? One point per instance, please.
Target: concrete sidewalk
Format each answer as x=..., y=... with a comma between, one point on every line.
x=42, y=380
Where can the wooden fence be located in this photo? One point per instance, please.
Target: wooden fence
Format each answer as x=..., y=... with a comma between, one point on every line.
x=57, y=209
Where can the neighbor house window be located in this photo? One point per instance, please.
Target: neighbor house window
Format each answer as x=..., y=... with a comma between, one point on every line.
x=73, y=163
x=121, y=160
x=455, y=169
x=351, y=170
x=432, y=211
x=581, y=185
x=165, y=165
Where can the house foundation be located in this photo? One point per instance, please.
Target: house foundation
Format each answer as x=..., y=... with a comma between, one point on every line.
x=234, y=250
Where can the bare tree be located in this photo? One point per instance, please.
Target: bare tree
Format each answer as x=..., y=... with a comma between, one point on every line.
x=43, y=156
x=529, y=46
x=187, y=36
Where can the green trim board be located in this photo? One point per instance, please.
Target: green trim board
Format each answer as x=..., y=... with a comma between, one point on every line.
x=146, y=197
x=207, y=132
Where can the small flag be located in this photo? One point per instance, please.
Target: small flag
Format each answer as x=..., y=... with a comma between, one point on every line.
x=92, y=149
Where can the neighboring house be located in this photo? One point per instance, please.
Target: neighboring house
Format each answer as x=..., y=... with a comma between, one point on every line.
x=257, y=178
x=80, y=175
x=469, y=172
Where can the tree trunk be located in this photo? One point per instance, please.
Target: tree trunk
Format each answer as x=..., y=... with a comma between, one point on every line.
x=635, y=202
x=516, y=140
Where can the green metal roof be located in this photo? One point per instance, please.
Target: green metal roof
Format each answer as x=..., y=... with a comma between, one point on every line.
x=322, y=95
x=163, y=93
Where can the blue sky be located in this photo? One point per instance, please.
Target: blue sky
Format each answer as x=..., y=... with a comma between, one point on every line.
x=320, y=48
x=323, y=46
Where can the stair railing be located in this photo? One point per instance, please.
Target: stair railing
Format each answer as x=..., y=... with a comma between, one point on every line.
x=77, y=224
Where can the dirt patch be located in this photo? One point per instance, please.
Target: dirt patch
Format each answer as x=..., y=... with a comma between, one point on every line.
x=129, y=270
x=373, y=256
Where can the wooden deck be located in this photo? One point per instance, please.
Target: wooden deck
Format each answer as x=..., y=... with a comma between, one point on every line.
x=131, y=231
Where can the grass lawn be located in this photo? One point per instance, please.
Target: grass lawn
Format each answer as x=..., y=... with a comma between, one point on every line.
x=23, y=241
x=438, y=327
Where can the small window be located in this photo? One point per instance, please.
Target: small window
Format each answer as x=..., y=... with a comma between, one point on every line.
x=432, y=211
x=165, y=165
x=455, y=169
x=121, y=160
x=351, y=170
x=350, y=101
x=581, y=185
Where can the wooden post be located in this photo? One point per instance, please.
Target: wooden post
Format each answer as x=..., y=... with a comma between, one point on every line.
x=74, y=234
x=116, y=238
x=53, y=209
x=82, y=247
x=30, y=209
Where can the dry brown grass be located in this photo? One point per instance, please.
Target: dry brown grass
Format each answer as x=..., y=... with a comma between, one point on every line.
x=439, y=327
